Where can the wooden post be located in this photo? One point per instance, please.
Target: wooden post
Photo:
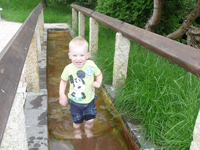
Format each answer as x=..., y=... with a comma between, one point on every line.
x=81, y=25
x=74, y=19
x=93, y=40
x=122, y=47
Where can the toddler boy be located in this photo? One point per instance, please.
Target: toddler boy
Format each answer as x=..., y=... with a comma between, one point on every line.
x=84, y=76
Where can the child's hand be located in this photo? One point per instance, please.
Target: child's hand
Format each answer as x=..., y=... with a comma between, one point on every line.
x=63, y=100
x=96, y=84
x=98, y=81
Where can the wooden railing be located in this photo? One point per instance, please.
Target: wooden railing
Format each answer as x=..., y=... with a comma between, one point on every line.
x=180, y=54
x=184, y=56
x=12, y=60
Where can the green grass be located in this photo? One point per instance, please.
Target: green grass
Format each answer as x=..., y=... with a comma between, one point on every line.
x=163, y=97
x=159, y=95
x=18, y=11
x=58, y=14
x=105, y=55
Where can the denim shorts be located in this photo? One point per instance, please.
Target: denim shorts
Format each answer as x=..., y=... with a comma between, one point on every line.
x=80, y=112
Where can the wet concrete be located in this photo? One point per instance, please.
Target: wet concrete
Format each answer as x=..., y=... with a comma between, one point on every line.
x=109, y=132
x=36, y=109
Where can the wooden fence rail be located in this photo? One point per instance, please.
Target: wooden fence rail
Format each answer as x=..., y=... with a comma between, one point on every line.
x=185, y=56
x=12, y=59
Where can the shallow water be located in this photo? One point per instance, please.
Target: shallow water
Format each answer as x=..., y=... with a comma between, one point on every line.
x=108, y=130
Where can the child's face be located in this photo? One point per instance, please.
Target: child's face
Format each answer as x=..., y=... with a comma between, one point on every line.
x=78, y=56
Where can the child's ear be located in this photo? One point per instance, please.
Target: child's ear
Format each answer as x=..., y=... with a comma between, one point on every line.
x=69, y=55
x=88, y=55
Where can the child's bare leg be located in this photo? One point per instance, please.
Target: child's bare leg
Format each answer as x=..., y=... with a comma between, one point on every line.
x=77, y=130
x=88, y=125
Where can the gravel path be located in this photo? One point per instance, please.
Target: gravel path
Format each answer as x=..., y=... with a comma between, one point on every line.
x=8, y=30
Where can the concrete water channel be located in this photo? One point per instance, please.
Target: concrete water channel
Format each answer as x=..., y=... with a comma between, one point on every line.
x=109, y=131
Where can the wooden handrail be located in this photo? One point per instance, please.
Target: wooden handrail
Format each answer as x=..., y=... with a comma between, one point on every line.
x=12, y=59
x=184, y=56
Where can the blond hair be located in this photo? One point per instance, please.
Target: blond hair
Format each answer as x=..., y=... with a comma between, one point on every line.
x=78, y=42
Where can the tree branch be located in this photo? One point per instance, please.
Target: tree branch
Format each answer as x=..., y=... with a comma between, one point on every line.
x=155, y=18
x=186, y=23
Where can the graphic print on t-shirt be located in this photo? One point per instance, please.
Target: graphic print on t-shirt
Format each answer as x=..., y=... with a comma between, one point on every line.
x=79, y=85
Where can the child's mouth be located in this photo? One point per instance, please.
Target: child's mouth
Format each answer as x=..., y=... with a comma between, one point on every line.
x=78, y=63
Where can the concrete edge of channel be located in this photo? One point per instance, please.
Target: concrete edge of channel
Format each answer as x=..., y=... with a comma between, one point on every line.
x=36, y=107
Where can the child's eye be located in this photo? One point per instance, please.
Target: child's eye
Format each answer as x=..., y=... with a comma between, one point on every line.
x=74, y=55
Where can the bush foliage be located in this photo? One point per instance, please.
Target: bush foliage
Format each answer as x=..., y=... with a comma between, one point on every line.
x=138, y=12
x=134, y=12
x=85, y=3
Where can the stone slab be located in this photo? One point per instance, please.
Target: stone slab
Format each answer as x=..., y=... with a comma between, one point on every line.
x=43, y=82
x=35, y=117
x=36, y=101
x=37, y=138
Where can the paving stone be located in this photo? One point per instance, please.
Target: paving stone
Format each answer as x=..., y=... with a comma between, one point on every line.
x=43, y=83
x=36, y=101
x=37, y=137
x=35, y=117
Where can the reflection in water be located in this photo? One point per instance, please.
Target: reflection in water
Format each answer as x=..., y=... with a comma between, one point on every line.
x=107, y=129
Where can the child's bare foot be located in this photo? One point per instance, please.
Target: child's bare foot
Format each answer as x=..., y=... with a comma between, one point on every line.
x=77, y=134
x=88, y=133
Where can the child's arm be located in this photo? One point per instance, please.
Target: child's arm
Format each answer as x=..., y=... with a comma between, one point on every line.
x=63, y=98
x=98, y=81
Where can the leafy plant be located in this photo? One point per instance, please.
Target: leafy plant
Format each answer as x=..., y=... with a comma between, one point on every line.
x=138, y=12
x=85, y=3
x=134, y=12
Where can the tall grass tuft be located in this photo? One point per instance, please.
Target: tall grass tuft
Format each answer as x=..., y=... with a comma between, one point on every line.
x=158, y=94
x=106, y=50
x=162, y=97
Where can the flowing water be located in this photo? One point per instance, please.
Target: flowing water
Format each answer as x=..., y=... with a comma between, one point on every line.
x=109, y=132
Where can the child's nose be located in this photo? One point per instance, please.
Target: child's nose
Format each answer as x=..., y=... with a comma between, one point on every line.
x=79, y=57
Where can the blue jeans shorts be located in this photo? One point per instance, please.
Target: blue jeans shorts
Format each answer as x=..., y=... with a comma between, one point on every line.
x=81, y=112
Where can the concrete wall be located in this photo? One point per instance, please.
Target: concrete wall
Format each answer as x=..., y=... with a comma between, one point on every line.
x=15, y=133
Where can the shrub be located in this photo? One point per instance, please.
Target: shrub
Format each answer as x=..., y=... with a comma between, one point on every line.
x=138, y=12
